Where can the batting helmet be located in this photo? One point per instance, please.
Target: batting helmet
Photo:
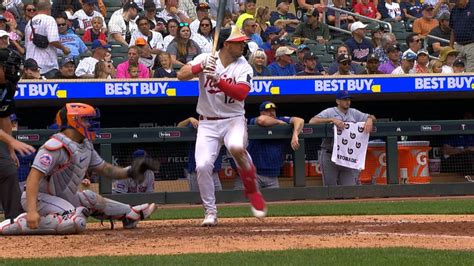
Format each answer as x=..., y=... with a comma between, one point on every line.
x=79, y=116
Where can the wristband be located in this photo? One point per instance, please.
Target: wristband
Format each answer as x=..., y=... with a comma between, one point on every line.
x=196, y=69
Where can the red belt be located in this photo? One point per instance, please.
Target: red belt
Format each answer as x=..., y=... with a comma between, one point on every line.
x=201, y=117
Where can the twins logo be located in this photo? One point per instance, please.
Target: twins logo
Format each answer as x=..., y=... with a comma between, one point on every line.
x=350, y=151
x=46, y=160
x=353, y=135
x=358, y=145
x=345, y=141
x=360, y=129
x=347, y=126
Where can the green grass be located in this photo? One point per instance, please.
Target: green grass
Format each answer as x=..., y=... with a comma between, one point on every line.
x=441, y=206
x=346, y=256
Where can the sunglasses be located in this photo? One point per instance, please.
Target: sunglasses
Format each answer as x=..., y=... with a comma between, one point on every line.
x=183, y=24
x=31, y=10
x=205, y=25
x=418, y=40
x=62, y=25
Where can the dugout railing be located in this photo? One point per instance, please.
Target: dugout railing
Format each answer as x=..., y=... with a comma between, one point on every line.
x=390, y=132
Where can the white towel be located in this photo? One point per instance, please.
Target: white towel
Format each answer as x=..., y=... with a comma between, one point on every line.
x=350, y=146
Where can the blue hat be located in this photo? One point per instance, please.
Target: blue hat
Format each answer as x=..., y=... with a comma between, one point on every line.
x=301, y=47
x=267, y=105
x=408, y=56
x=343, y=95
x=139, y=154
x=271, y=29
x=97, y=43
x=13, y=117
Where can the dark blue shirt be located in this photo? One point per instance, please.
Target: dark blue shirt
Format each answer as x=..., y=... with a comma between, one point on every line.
x=461, y=22
x=359, y=51
x=265, y=72
x=274, y=16
x=276, y=70
x=267, y=154
x=412, y=10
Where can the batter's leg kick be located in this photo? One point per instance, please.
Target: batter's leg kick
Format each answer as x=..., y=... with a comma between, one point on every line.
x=59, y=216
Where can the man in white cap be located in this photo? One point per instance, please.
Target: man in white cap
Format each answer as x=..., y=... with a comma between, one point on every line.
x=224, y=83
x=359, y=46
x=283, y=64
x=4, y=39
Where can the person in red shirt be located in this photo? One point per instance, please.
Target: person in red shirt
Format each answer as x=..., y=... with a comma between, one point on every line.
x=95, y=32
x=367, y=8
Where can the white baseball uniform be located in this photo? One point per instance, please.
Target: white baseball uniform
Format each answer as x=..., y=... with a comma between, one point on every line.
x=222, y=122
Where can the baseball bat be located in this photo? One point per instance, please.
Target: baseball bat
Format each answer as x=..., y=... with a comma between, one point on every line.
x=219, y=20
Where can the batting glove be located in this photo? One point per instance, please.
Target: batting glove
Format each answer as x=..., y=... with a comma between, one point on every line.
x=210, y=63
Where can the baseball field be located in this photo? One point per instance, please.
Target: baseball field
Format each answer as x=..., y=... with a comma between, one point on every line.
x=427, y=231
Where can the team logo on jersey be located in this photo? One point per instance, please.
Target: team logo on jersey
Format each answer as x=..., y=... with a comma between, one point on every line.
x=46, y=159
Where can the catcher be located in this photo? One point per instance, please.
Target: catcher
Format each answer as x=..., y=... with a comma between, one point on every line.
x=52, y=200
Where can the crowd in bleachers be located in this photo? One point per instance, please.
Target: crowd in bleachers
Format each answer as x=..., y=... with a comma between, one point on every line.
x=66, y=39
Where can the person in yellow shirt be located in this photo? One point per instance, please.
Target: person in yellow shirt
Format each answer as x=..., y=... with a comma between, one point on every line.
x=250, y=8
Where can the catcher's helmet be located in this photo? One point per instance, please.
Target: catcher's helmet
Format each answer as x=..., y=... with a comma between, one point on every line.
x=79, y=116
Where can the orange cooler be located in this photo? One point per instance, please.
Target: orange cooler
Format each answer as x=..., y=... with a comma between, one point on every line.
x=227, y=172
x=375, y=171
x=314, y=169
x=413, y=160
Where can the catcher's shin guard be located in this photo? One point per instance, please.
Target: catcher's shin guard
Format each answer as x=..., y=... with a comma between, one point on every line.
x=51, y=224
x=138, y=213
x=249, y=179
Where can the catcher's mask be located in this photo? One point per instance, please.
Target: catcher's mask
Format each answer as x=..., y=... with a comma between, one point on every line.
x=81, y=117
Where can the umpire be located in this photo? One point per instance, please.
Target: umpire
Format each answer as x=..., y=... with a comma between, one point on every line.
x=267, y=155
x=10, y=73
x=333, y=174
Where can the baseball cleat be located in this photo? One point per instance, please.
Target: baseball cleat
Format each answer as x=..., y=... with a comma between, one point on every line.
x=209, y=220
x=258, y=208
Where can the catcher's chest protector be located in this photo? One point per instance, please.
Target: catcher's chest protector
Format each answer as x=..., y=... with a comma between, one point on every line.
x=66, y=179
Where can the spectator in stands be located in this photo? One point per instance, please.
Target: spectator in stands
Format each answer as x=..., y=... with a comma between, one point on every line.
x=459, y=66
x=442, y=31
x=182, y=48
x=448, y=55
x=345, y=20
x=6, y=14
x=104, y=70
x=86, y=66
x=282, y=18
x=171, y=11
x=367, y=8
x=249, y=28
x=143, y=3
x=333, y=68
x=189, y=7
x=268, y=155
x=70, y=40
x=414, y=43
x=150, y=13
x=394, y=10
x=202, y=11
x=312, y=29
x=283, y=64
x=435, y=66
x=344, y=65
x=462, y=32
x=133, y=56
x=95, y=32
x=268, y=35
x=422, y=26
x=11, y=41
x=408, y=62
x=300, y=65
x=190, y=170
x=275, y=44
x=359, y=47
x=258, y=61
x=31, y=70
x=383, y=10
x=133, y=71
x=172, y=28
x=58, y=6
x=377, y=34
x=372, y=66
x=67, y=68
x=153, y=39
x=249, y=12
x=45, y=25
x=422, y=61
x=4, y=39
x=204, y=36
x=262, y=17
x=122, y=23
x=166, y=69
x=146, y=57
x=310, y=65
x=388, y=39
x=72, y=22
x=232, y=8
x=85, y=15
x=393, y=59
x=29, y=11
x=129, y=185
x=411, y=9
x=302, y=6
x=440, y=7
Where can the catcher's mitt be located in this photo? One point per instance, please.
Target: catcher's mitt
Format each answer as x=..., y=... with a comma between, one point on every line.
x=140, y=166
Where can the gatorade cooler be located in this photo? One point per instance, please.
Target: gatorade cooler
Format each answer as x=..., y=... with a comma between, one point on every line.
x=413, y=156
x=227, y=172
x=314, y=168
x=375, y=171
x=287, y=169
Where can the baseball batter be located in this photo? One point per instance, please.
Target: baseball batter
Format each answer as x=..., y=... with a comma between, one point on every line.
x=52, y=200
x=224, y=83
